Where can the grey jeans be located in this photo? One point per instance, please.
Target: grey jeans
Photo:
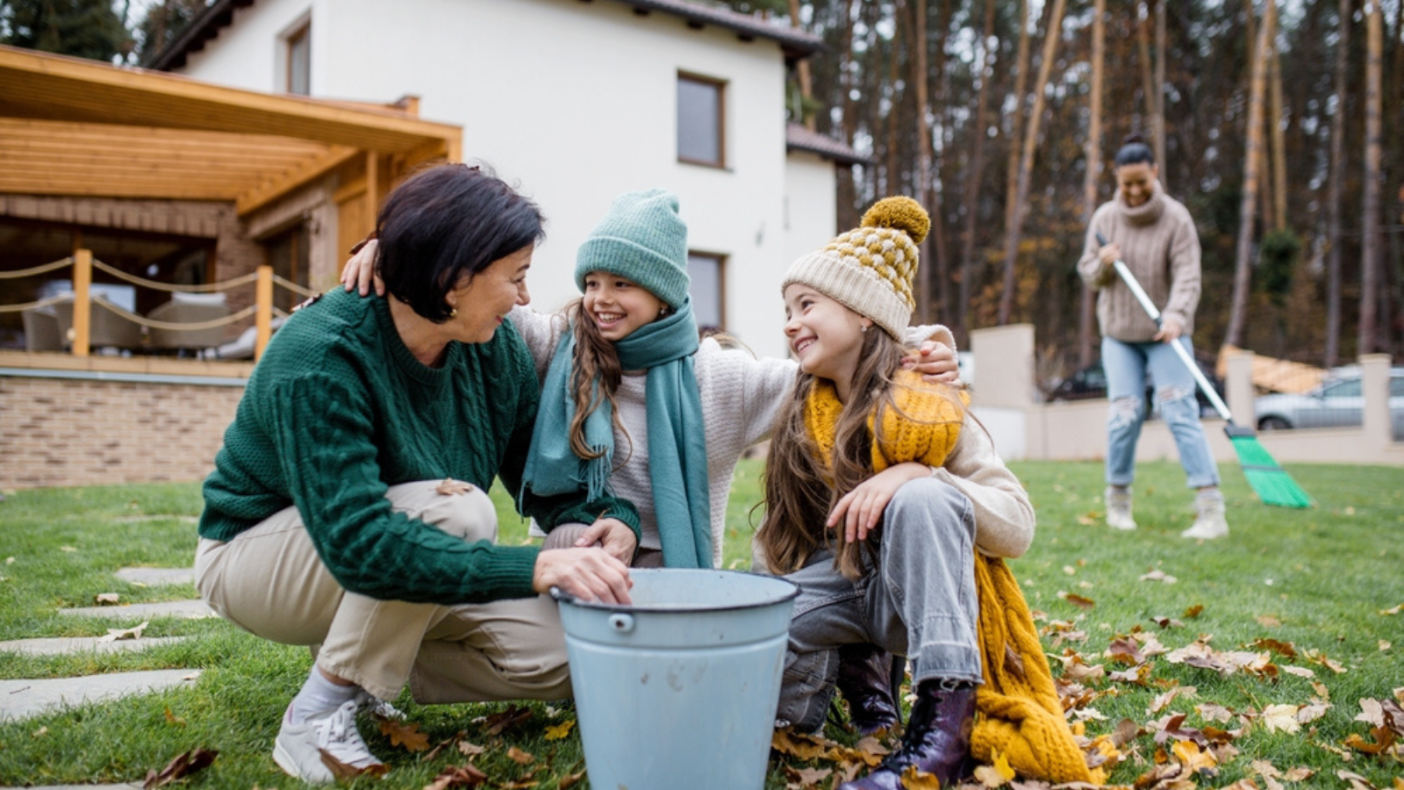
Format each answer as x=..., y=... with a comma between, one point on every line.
x=918, y=601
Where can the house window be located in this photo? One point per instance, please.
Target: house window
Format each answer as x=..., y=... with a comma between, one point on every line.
x=299, y=60
x=289, y=255
x=708, y=273
x=700, y=121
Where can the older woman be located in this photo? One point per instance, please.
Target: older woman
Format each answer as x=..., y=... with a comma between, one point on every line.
x=348, y=508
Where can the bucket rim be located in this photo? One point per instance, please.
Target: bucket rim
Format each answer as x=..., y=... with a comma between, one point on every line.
x=563, y=597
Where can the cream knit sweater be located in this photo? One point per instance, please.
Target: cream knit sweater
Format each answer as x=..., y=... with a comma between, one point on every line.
x=740, y=396
x=1160, y=245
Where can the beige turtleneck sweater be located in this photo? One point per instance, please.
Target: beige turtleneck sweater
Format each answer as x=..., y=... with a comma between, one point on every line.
x=1160, y=245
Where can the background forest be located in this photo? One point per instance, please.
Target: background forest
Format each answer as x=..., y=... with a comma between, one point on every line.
x=1279, y=124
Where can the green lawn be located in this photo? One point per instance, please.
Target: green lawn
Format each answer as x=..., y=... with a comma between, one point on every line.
x=1318, y=582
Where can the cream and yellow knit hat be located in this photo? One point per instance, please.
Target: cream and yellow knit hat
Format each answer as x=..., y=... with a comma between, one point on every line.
x=870, y=269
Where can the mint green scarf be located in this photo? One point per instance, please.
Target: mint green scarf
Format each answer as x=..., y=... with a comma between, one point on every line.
x=677, y=446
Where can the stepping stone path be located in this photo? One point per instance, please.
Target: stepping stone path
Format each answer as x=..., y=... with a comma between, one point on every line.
x=23, y=698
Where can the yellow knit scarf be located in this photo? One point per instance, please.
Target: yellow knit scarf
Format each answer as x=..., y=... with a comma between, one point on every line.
x=1018, y=714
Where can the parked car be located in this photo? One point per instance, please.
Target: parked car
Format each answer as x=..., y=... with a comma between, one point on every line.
x=1091, y=382
x=1337, y=402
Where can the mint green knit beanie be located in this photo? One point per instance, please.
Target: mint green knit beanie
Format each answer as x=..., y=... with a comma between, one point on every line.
x=643, y=239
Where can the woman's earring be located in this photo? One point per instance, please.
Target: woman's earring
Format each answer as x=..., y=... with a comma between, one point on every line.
x=453, y=313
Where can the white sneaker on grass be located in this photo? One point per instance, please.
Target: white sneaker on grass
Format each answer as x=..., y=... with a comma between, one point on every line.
x=298, y=749
x=1119, y=509
x=1209, y=521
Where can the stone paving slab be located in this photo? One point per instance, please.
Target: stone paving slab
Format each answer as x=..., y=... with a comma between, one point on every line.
x=21, y=699
x=192, y=610
x=82, y=644
x=157, y=576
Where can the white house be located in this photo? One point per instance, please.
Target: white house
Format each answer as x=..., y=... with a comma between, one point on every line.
x=574, y=101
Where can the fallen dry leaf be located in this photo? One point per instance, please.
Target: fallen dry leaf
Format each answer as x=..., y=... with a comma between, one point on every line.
x=1158, y=576
x=569, y=780
x=1284, y=649
x=1268, y=621
x=1384, y=645
x=106, y=599
x=39, y=733
x=173, y=720
x=1357, y=782
x=807, y=777
x=1211, y=712
x=521, y=757
x=1194, y=759
x=470, y=749
x=559, y=731
x=799, y=745
x=1386, y=612
x=500, y=721
x=1298, y=774
x=67, y=548
x=997, y=774
x=914, y=778
x=114, y=634
x=1321, y=690
x=1372, y=712
x=340, y=770
x=1310, y=713
x=458, y=776
x=1126, y=651
x=1193, y=611
x=449, y=487
x=182, y=766
x=1077, y=600
x=406, y=735
x=1301, y=672
x=1281, y=718
x=1384, y=739
x=1158, y=704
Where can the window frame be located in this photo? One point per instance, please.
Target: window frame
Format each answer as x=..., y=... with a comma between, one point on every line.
x=720, y=86
x=720, y=259
x=300, y=35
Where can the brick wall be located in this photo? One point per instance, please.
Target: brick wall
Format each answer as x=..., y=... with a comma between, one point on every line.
x=66, y=432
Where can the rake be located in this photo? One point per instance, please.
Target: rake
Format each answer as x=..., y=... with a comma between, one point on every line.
x=1269, y=480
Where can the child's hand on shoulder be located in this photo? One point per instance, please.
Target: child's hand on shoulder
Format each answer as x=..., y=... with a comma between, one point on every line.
x=935, y=361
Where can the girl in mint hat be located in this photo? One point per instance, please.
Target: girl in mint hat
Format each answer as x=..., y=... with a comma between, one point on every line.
x=634, y=403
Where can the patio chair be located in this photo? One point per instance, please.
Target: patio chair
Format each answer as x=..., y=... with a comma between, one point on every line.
x=109, y=325
x=41, y=329
x=184, y=308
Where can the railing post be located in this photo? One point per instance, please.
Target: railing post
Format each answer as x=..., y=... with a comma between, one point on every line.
x=82, y=304
x=263, y=313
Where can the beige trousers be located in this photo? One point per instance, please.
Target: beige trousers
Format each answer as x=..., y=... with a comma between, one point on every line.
x=269, y=581
x=565, y=535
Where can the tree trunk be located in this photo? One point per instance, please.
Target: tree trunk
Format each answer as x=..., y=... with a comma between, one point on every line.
x=977, y=163
x=1333, y=255
x=1093, y=157
x=806, y=82
x=938, y=192
x=923, y=189
x=1370, y=226
x=1158, y=124
x=1011, y=250
x=1279, y=137
x=847, y=179
x=1243, y=258
x=893, y=183
x=1147, y=70
x=1016, y=123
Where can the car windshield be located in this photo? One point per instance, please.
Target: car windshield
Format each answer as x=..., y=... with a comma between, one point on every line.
x=1349, y=388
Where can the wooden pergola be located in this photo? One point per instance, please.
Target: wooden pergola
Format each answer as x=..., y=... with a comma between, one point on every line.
x=79, y=128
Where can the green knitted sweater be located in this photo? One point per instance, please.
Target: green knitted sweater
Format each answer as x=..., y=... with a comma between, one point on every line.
x=338, y=410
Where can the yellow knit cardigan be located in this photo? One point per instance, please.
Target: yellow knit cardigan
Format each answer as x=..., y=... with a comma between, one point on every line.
x=1018, y=713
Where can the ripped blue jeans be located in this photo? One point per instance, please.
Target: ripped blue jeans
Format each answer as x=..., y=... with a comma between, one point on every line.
x=1126, y=365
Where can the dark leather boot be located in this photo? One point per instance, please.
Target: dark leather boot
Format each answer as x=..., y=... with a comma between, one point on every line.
x=865, y=680
x=937, y=740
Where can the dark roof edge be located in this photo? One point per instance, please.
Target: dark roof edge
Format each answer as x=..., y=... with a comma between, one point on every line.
x=798, y=138
x=203, y=28
x=796, y=44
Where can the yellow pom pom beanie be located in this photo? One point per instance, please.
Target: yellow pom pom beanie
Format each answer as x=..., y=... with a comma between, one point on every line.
x=870, y=269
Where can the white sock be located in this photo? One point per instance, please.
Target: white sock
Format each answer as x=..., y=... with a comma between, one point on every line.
x=1209, y=495
x=318, y=695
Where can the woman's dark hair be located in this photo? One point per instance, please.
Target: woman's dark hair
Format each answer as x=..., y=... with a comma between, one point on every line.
x=1134, y=151
x=444, y=223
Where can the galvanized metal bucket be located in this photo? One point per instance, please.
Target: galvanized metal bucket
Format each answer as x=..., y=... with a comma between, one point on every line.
x=678, y=689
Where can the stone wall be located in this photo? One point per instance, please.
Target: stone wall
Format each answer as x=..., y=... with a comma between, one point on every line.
x=74, y=432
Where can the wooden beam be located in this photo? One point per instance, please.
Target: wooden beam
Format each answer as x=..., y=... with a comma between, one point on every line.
x=309, y=169
x=82, y=306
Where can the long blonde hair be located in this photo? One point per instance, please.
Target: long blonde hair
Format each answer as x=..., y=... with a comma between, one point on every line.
x=800, y=491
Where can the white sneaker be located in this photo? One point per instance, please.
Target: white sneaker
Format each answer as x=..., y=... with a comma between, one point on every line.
x=1119, y=509
x=298, y=749
x=1209, y=523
